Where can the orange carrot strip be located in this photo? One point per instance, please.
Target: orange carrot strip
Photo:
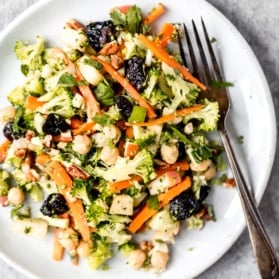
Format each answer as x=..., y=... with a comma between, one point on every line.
x=146, y=213
x=130, y=132
x=178, y=166
x=32, y=103
x=124, y=9
x=85, y=127
x=75, y=123
x=131, y=149
x=58, y=173
x=167, y=118
x=4, y=149
x=90, y=99
x=154, y=14
x=123, y=184
x=42, y=159
x=162, y=55
x=166, y=34
x=57, y=248
x=128, y=86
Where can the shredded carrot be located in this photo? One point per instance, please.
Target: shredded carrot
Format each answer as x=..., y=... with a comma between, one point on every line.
x=178, y=166
x=131, y=149
x=42, y=159
x=167, y=118
x=130, y=132
x=124, y=9
x=32, y=103
x=124, y=184
x=146, y=212
x=83, y=128
x=58, y=173
x=75, y=123
x=154, y=14
x=4, y=149
x=57, y=248
x=90, y=99
x=163, y=56
x=127, y=86
x=166, y=34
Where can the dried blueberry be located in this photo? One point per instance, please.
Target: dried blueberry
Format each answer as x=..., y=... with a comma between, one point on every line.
x=8, y=130
x=99, y=33
x=124, y=106
x=184, y=205
x=55, y=124
x=54, y=204
x=135, y=72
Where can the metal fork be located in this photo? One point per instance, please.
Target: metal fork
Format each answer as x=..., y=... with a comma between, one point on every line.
x=264, y=252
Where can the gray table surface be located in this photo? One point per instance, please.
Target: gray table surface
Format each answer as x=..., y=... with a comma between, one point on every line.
x=258, y=21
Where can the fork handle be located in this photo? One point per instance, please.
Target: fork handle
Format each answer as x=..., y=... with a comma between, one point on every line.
x=264, y=252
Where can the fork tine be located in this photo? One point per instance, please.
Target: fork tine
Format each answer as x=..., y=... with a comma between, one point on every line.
x=192, y=54
x=202, y=54
x=211, y=52
x=181, y=50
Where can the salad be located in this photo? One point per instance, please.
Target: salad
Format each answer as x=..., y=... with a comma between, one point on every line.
x=110, y=136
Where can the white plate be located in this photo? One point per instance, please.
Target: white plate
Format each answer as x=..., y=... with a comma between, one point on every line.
x=252, y=108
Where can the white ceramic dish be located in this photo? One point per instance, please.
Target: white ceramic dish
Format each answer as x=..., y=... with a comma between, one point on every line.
x=252, y=107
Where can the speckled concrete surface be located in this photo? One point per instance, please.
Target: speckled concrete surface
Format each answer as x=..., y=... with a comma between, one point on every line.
x=258, y=21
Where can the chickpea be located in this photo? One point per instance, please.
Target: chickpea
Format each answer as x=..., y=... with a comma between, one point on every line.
x=210, y=172
x=159, y=260
x=68, y=238
x=189, y=128
x=112, y=133
x=16, y=196
x=202, y=166
x=169, y=153
x=6, y=114
x=82, y=144
x=109, y=155
x=84, y=248
x=136, y=258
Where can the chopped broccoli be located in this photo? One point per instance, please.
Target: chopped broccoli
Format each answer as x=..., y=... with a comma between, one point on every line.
x=30, y=55
x=61, y=104
x=208, y=116
x=184, y=93
x=17, y=96
x=114, y=233
x=97, y=212
x=20, y=177
x=101, y=253
x=153, y=92
x=141, y=164
x=4, y=182
x=80, y=190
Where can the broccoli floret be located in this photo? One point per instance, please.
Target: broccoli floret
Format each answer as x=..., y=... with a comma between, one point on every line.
x=20, y=177
x=208, y=116
x=148, y=138
x=80, y=190
x=153, y=93
x=4, y=182
x=101, y=253
x=141, y=164
x=30, y=54
x=114, y=233
x=61, y=104
x=97, y=212
x=17, y=96
x=184, y=93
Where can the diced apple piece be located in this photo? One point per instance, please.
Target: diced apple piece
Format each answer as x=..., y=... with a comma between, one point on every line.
x=163, y=182
x=122, y=205
x=35, y=227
